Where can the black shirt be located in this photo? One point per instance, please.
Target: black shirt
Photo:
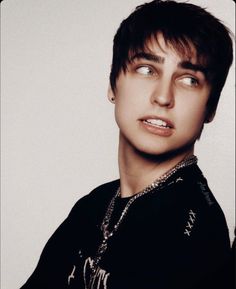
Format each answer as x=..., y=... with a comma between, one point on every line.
x=175, y=237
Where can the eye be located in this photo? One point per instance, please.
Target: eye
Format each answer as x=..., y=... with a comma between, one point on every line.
x=189, y=81
x=145, y=70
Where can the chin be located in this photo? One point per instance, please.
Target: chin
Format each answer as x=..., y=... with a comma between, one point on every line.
x=159, y=153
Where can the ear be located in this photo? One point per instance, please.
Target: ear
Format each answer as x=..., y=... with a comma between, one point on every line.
x=110, y=94
x=210, y=117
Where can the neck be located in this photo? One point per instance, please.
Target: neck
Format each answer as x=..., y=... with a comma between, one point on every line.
x=138, y=170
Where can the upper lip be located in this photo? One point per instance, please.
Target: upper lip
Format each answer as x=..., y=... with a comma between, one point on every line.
x=169, y=123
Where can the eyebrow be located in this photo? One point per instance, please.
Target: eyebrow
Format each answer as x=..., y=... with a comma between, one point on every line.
x=158, y=59
x=191, y=66
x=148, y=56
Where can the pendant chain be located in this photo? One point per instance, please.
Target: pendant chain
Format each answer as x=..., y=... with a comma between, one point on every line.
x=158, y=183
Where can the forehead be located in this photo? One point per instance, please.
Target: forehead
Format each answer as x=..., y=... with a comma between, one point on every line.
x=184, y=50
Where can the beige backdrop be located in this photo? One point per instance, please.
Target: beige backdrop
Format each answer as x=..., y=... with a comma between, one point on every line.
x=59, y=139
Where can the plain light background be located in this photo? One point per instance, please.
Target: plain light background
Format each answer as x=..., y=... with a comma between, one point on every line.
x=59, y=138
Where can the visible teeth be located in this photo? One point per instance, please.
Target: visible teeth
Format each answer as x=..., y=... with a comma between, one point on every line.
x=157, y=122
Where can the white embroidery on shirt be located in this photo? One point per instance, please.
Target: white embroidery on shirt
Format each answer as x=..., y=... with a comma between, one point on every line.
x=179, y=180
x=97, y=280
x=190, y=223
x=80, y=254
x=71, y=276
x=187, y=232
x=191, y=213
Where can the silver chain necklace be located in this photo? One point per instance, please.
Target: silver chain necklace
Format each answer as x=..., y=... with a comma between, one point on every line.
x=158, y=183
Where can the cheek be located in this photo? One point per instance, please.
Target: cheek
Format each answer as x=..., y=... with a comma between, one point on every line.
x=132, y=90
x=129, y=101
x=122, y=112
x=192, y=119
x=193, y=105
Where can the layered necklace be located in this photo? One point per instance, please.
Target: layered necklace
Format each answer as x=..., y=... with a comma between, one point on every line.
x=157, y=184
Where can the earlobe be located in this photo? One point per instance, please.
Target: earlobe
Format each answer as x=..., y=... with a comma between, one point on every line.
x=110, y=95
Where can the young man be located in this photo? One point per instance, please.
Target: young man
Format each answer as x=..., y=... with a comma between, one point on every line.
x=159, y=226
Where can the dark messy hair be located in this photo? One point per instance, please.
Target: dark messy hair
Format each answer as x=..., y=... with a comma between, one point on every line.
x=182, y=25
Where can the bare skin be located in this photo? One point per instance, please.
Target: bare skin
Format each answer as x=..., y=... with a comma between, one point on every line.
x=137, y=172
x=160, y=108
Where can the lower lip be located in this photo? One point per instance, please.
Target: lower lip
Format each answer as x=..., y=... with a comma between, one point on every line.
x=157, y=130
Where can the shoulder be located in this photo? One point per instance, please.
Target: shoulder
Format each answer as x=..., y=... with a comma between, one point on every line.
x=99, y=196
x=203, y=210
x=204, y=199
x=199, y=229
x=196, y=190
x=105, y=190
x=85, y=210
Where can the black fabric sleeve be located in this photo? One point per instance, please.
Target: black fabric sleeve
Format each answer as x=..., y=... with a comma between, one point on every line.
x=55, y=261
x=209, y=250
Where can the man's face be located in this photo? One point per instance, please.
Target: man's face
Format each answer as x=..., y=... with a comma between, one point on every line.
x=160, y=101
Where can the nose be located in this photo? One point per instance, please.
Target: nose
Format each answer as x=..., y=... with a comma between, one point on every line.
x=163, y=94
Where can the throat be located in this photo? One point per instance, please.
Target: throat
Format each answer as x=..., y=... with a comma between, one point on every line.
x=138, y=171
